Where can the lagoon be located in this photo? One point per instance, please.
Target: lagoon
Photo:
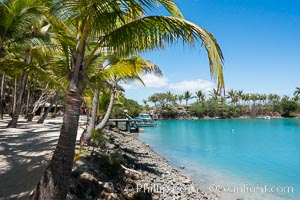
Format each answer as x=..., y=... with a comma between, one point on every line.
x=244, y=158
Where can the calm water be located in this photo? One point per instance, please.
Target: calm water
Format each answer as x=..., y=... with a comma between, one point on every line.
x=262, y=153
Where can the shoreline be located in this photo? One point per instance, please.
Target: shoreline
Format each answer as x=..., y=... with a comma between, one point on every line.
x=219, y=118
x=153, y=177
x=167, y=176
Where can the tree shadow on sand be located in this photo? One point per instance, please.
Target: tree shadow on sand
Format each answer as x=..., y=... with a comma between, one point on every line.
x=24, y=154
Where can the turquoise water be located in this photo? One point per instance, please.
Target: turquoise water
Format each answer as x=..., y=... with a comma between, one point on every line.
x=258, y=152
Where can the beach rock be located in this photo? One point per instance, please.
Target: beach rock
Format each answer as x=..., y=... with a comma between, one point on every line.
x=108, y=187
x=111, y=146
x=130, y=195
x=159, y=179
x=113, y=196
x=71, y=197
x=88, y=176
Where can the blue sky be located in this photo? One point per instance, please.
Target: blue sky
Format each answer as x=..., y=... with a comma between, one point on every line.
x=260, y=41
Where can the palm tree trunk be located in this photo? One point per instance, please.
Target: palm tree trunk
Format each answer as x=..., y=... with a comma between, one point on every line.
x=56, y=179
x=28, y=99
x=15, y=116
x=87, y=135
x=186, y=105
x=45, y=114
x=105, y=119
x=15, y=95
x=2, y=97
x=37, y=104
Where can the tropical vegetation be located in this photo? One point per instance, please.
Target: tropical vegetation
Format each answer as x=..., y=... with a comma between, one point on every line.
x=234, y=104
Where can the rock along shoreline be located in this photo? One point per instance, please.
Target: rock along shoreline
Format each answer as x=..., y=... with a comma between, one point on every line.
x=147, y=175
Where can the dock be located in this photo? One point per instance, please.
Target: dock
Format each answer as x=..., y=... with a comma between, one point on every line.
x=128, y=125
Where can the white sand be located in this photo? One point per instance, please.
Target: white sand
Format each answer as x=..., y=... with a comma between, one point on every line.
x=24, y=154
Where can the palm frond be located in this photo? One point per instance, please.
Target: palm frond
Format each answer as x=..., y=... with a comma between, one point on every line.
x=155, y=32
x=9, y=65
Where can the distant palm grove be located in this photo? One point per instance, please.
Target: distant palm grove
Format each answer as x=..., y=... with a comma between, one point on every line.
x=234, y=104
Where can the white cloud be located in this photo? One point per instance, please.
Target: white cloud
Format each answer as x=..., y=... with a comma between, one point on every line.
x=192, y=85
x=150, y=81
x=153, y=81
x=127, y=86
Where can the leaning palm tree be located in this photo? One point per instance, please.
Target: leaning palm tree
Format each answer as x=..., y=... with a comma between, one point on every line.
x=118, y=26
x=118, y=70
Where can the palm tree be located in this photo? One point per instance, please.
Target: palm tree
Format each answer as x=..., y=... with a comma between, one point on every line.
x=128, y=69
x=201, y=96
x=180, y=98
x=154, y=99
x=17, y=27
x=2, y=98
x=45, y=114
x=145, y=102
x=263, y=98
x=118, y=70
x=285, y=98
x=233, y=96
x=245, y=98
x=171, y=99
x=214, y=95
x=8, y=33
x=162, y=100
x=239, y=95
x=187, y=96
x=297, y=92
x=254, y=98
x=119, y=26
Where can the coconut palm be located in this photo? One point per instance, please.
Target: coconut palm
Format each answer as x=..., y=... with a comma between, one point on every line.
x=233, y=96
x=180, y=98
x=171, y=98
x=285, y=98
x=239, y=95
x=45, y=114
x=297, y=92
x=2, y=98
x=118, y=70
x=119, y=26
x=145, y=102
x=187, y=96
x=214, y=95
x=254, y=98
x=201, y=96
x=21, y=31
x=154, y=99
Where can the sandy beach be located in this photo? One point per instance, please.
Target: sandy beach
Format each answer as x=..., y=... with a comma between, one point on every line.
x=24, y=155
